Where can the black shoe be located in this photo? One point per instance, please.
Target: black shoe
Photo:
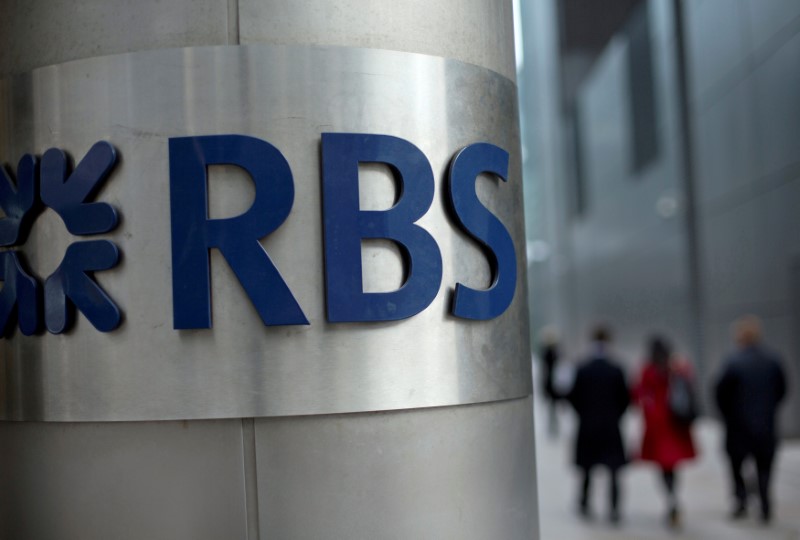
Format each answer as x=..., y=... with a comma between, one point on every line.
x=583, y=511
x=614, y=517
x=766, y=516
x=674, y=518
x=739, y=512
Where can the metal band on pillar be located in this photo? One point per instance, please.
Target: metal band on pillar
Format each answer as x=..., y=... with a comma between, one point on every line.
x=281, y=323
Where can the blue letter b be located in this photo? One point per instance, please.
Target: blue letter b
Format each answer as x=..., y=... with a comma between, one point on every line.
x=345, y=225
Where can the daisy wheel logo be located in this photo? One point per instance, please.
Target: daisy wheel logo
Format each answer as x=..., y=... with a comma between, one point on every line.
x=70, y=193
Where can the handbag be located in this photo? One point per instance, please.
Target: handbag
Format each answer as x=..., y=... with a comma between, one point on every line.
x=681, y=399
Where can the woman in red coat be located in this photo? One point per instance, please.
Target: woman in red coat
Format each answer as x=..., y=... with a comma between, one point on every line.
x=667, y=440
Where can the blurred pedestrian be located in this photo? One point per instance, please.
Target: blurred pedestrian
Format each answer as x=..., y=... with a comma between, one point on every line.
x=549, y=357
x=667, y=432
x=748, y=391
x=600, y=396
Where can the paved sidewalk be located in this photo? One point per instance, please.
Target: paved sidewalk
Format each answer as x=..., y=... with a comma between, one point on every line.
x=703, y=488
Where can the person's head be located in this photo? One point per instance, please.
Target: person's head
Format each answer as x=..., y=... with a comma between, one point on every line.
x=601, y=334
x=747, y=331
x=659, y=351
x=548, y=336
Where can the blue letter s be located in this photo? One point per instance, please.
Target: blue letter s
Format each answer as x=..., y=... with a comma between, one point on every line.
x=484, y=227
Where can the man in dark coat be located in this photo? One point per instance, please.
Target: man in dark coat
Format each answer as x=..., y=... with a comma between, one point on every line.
x=600, y=397
x=749, y=389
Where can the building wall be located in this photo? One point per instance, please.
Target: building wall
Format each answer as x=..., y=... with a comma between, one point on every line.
x=745, y=112
x=543, y=166
x=629, y=238
x=624, y=258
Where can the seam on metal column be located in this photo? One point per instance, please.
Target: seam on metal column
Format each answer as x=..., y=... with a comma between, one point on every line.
x=250, y=477
x=694, y=248
x=233, y=22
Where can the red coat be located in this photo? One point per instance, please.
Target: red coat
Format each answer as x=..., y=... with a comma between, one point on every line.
x=666, y=442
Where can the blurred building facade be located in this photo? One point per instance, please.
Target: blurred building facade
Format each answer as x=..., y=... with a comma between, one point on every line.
x=662, y=165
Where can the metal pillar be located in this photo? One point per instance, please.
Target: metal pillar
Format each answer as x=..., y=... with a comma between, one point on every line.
x=410, y=429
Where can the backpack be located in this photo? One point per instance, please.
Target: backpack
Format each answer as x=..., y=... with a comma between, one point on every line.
x=681, y=399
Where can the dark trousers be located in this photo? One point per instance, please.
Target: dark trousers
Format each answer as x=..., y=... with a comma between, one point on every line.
x=613, y=489
x=670, y=480
x=763, y=462
x=552, y=417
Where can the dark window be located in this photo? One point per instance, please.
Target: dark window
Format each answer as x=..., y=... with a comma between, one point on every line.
x=576, y=155
x=641, y=83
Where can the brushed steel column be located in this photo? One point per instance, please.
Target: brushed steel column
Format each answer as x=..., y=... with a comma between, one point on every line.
x=114, y=464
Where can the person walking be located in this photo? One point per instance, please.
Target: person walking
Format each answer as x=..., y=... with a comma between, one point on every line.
x=749, y=389
x=667, y=439
x=549, y=357
x=600, y=396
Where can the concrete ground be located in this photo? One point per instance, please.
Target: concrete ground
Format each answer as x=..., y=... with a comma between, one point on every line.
x=704, y=491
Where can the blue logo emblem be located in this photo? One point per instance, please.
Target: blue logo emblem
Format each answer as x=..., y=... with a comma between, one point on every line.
x=69, y=193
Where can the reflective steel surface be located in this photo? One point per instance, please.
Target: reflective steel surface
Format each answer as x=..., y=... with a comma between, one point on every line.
x=123, y=480
x=286, y=95
x=478, y=32
x=462, y=472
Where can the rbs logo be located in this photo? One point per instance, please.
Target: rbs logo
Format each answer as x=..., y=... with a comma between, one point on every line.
x=345, y=226
x=71, y=285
